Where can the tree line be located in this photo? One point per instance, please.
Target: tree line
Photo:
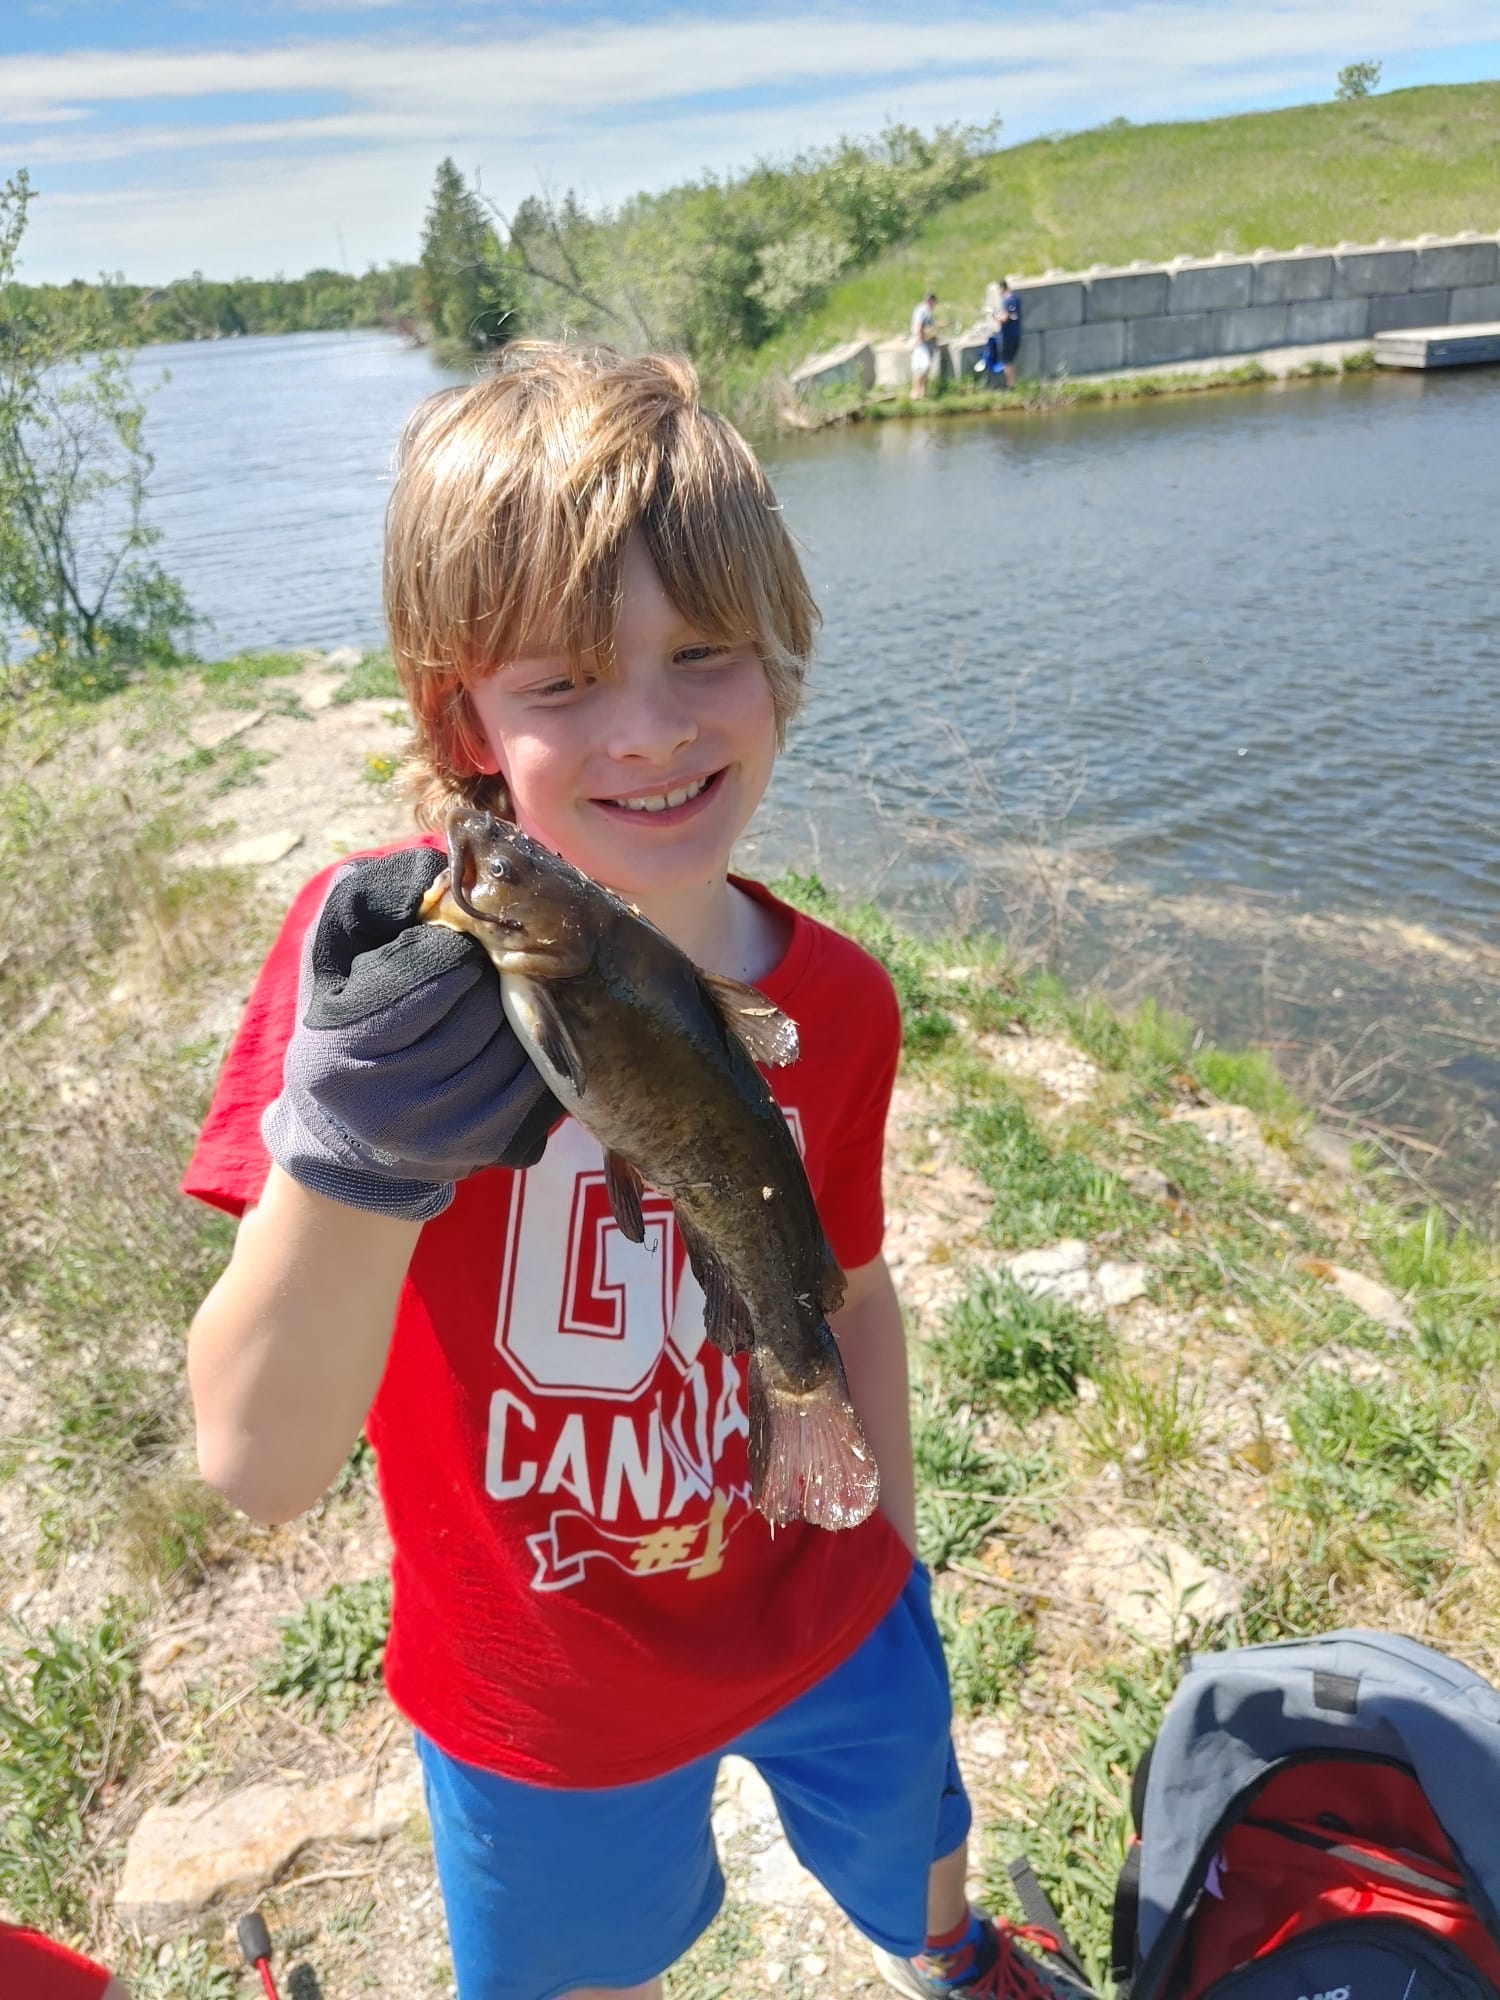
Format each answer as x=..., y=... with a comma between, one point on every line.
x=713, y=267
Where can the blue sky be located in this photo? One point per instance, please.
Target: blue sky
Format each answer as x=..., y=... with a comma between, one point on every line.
x=278, y=135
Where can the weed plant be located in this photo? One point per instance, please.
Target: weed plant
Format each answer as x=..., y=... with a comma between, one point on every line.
x=69, y=1727
x=1076, y=1833
x=925, y=1023
x=963, y=1484
x=1042, y=1192
x=1149, y=1429
x=1008, y=1349
x=988, y=1648
x=333, y=1650
x=374, y=679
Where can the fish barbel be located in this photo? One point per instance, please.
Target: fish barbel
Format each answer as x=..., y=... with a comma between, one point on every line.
x=658, y=1060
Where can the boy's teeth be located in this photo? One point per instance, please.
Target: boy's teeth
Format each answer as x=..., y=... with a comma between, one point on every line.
x=665, y=799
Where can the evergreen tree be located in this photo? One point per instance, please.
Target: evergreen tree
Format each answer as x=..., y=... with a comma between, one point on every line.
x=470, y=289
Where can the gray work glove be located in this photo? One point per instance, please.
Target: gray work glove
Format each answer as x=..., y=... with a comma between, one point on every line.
x=402, y=1074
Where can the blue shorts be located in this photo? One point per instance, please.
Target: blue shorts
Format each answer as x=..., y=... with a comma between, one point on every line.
x=546, y=1890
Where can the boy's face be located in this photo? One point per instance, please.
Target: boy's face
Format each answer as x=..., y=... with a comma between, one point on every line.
x=589, y=766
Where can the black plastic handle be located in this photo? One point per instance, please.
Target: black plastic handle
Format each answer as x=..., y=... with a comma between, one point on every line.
x=255, y=1939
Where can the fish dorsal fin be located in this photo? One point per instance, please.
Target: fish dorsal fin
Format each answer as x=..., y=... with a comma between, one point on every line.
x=726, y=1317
x=552, y=1036
x=769, y=1037
x=624, y=1185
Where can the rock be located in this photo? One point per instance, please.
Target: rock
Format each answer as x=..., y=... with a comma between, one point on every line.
x=1066, y=1072
x=343, y=657
x=1330, y=1149
x=1236, y=1130
x=1148, y=1181
x=213, y=730
x=746, y=1824
x=182, y=1856
x=1038, y=1269
x=1120, y=1284
x=320, y=695
x=167, y=1663
x=1146, y=1584
x=1375, y=1300
x=260, y=850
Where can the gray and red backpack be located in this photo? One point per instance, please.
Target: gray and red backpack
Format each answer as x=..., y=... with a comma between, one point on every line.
x=1317, y=1820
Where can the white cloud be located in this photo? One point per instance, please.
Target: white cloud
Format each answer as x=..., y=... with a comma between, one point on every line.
x=612, y=107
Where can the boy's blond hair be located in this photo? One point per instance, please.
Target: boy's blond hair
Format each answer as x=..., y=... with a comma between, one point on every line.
x=506, y=529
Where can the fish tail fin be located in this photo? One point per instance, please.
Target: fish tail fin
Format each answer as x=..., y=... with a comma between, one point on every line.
x=808, y=1457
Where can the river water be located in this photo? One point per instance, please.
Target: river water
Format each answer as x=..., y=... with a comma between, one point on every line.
x=1201, y=695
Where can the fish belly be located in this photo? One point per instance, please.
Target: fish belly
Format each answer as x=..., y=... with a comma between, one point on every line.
x=518, y=996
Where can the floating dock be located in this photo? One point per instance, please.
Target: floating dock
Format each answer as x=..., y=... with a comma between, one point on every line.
x=1438, y=346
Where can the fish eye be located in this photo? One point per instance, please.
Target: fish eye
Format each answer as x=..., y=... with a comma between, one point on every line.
x=501, y=867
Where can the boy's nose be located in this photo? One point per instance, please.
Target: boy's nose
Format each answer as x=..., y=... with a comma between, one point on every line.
x=650, y=723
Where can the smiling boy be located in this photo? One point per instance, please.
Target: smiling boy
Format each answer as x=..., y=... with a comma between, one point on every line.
x=602, y=628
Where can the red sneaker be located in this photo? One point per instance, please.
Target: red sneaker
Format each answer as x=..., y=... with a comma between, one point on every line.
x=1011, y=1974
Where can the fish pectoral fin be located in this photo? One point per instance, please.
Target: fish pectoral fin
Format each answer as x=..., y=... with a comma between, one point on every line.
x=625, y=1186
x=726, y=1317
x=831, y=1281
x=553, y=1039
x=768, y=1035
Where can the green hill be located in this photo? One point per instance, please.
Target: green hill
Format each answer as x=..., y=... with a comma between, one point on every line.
x=1392, y=165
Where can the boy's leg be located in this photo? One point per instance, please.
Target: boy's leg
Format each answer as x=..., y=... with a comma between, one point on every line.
x=652, y=1990
x=947, y=1892
x=862, y=1771
x=579, y=1892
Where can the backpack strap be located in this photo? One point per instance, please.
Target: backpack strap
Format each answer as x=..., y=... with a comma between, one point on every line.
x=1037, y=1908
x=1122, y=1936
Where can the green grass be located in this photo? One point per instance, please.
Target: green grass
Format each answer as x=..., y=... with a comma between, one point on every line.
x=374, y=679
x=69, y=1726
x=925, y=1023
x=1076, y=1824
x=1042, y=1191
x=248, y=670
x=333, y=1650
x=1007, y=1349
x=1396, y=164
x=963, y=1483
x=1148, y=1428
x=988, y=1647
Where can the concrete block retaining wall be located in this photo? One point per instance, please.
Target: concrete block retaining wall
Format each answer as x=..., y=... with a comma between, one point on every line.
x=1209, y=308
x=1206, y=308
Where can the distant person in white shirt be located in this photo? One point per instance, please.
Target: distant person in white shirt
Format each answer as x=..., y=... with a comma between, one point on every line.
x=924, y=345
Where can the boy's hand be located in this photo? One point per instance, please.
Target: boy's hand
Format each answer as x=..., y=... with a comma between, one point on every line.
x=403, y=1074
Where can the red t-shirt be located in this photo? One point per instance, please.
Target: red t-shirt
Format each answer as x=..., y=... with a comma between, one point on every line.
x=582, y=1592
x=33, y=1967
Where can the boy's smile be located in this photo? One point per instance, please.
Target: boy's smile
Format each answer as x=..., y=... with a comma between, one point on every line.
x=646, y=777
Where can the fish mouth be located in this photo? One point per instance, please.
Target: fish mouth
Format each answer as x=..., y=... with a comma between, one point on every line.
x=666, y=806
x=464, y=867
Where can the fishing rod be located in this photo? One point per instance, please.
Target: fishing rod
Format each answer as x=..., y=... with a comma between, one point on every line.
x=255, y=1943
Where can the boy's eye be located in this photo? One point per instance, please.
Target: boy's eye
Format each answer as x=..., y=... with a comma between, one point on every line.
x=550, y=690
x=693, y=656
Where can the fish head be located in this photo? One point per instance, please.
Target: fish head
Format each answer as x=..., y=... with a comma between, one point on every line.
x=531, y=903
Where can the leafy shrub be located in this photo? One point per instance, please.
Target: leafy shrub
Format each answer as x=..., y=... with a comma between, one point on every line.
x=1014, y=1351
x=333, y=1650
x=69, y=1725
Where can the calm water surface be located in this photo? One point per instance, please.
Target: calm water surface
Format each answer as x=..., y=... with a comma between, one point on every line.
x=1239, y=652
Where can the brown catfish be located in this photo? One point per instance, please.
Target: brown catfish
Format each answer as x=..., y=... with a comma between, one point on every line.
x=658, y=1060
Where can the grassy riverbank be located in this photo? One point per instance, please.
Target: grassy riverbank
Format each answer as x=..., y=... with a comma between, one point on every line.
x=851, y=405
x=1175, y=1380
x=1391, y=165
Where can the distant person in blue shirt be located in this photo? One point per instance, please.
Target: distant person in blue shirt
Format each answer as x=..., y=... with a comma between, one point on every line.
x=999, y=364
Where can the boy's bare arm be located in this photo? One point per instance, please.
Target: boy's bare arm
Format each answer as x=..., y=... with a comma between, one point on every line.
x=286, y=1352
x=873, y=1343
